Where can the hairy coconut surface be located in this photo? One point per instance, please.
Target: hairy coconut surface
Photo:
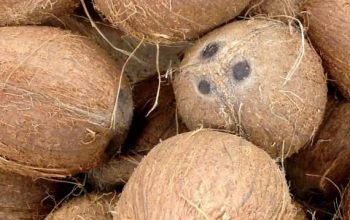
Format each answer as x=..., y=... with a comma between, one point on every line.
x=279, y=9
x=206, y=175
x=346, y=204
x=58, y=106
x=88, y=207
x=329, y=30
x=145, y=64
x=23, y=198
x=163, y=21
x=257, y=78
x=19, y=12
x=115, y=173
x=319, y=169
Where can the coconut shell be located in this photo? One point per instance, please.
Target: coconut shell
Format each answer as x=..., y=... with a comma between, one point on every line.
x=115, y=173
x=278, y=9
x=57, y=98
x=329, y=30
x=317, y=169
x=23, y=198
x=346, y=204
x=240, y=77
x=19, y=12
x=88, y=207
x=161, y=21
x=205, y=175
x=136, y=70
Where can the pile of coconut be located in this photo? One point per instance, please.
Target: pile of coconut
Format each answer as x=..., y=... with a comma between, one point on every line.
x=164, y=110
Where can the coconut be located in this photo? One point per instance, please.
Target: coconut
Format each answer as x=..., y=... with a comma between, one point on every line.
x=320, y=169
x=15, y=12
x=329, y=30
x=88, y=207
x=253, y=78
x=144, y=62
x=162, y=21
x=206, y=175
x=279, y=9
x=58, y=102
x=23, y=198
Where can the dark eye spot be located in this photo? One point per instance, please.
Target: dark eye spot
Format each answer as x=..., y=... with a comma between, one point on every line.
x=210, y=50
x=204, y=87
x=241, y=70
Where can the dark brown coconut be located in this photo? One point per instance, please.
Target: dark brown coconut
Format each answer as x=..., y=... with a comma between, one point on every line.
x=346, y=204
x=163, y=21
x=206, y=175
x=57, y=101
x=241, y=78
x=319, y=169
x=329, y=30
x=146, y=132
x=88, y=207
x=278, y=9
x=14, y=12
x=23, y=198
x=138, y=69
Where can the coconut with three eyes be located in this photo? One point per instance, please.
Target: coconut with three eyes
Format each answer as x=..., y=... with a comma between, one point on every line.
x=257, y=78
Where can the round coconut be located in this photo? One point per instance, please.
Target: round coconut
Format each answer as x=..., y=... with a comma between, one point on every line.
x=319, y=169
x=88, y=207
x=143, y=64
x=115, y=173
x=23, y=198
x=257, y=78
x=58, y=102
x=19, y=12
x=206, y=175
x=346, y=204
x=329, y=30
x=162, y=21
x=278, y=9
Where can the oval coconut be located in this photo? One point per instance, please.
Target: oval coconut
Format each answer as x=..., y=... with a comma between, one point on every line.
x=162, y=21
x=23, y=198
x=329, y=30
x=144, y=63
x=317, y=169
x=19, y=12
x=206, y=175
x=278, y=9
x=244, y=77
x=57, y=102
x=346, y=204
x=88, y=207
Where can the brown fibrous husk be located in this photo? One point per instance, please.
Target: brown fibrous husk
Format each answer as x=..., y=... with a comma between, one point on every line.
x=323, y=168
x=25, y=198
x=20, y=12
x=161, y=21
x=206, y=175
x=58, y=102
x=329, y=30
x=257, y=78
x=88, y=207
x=346, y=204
